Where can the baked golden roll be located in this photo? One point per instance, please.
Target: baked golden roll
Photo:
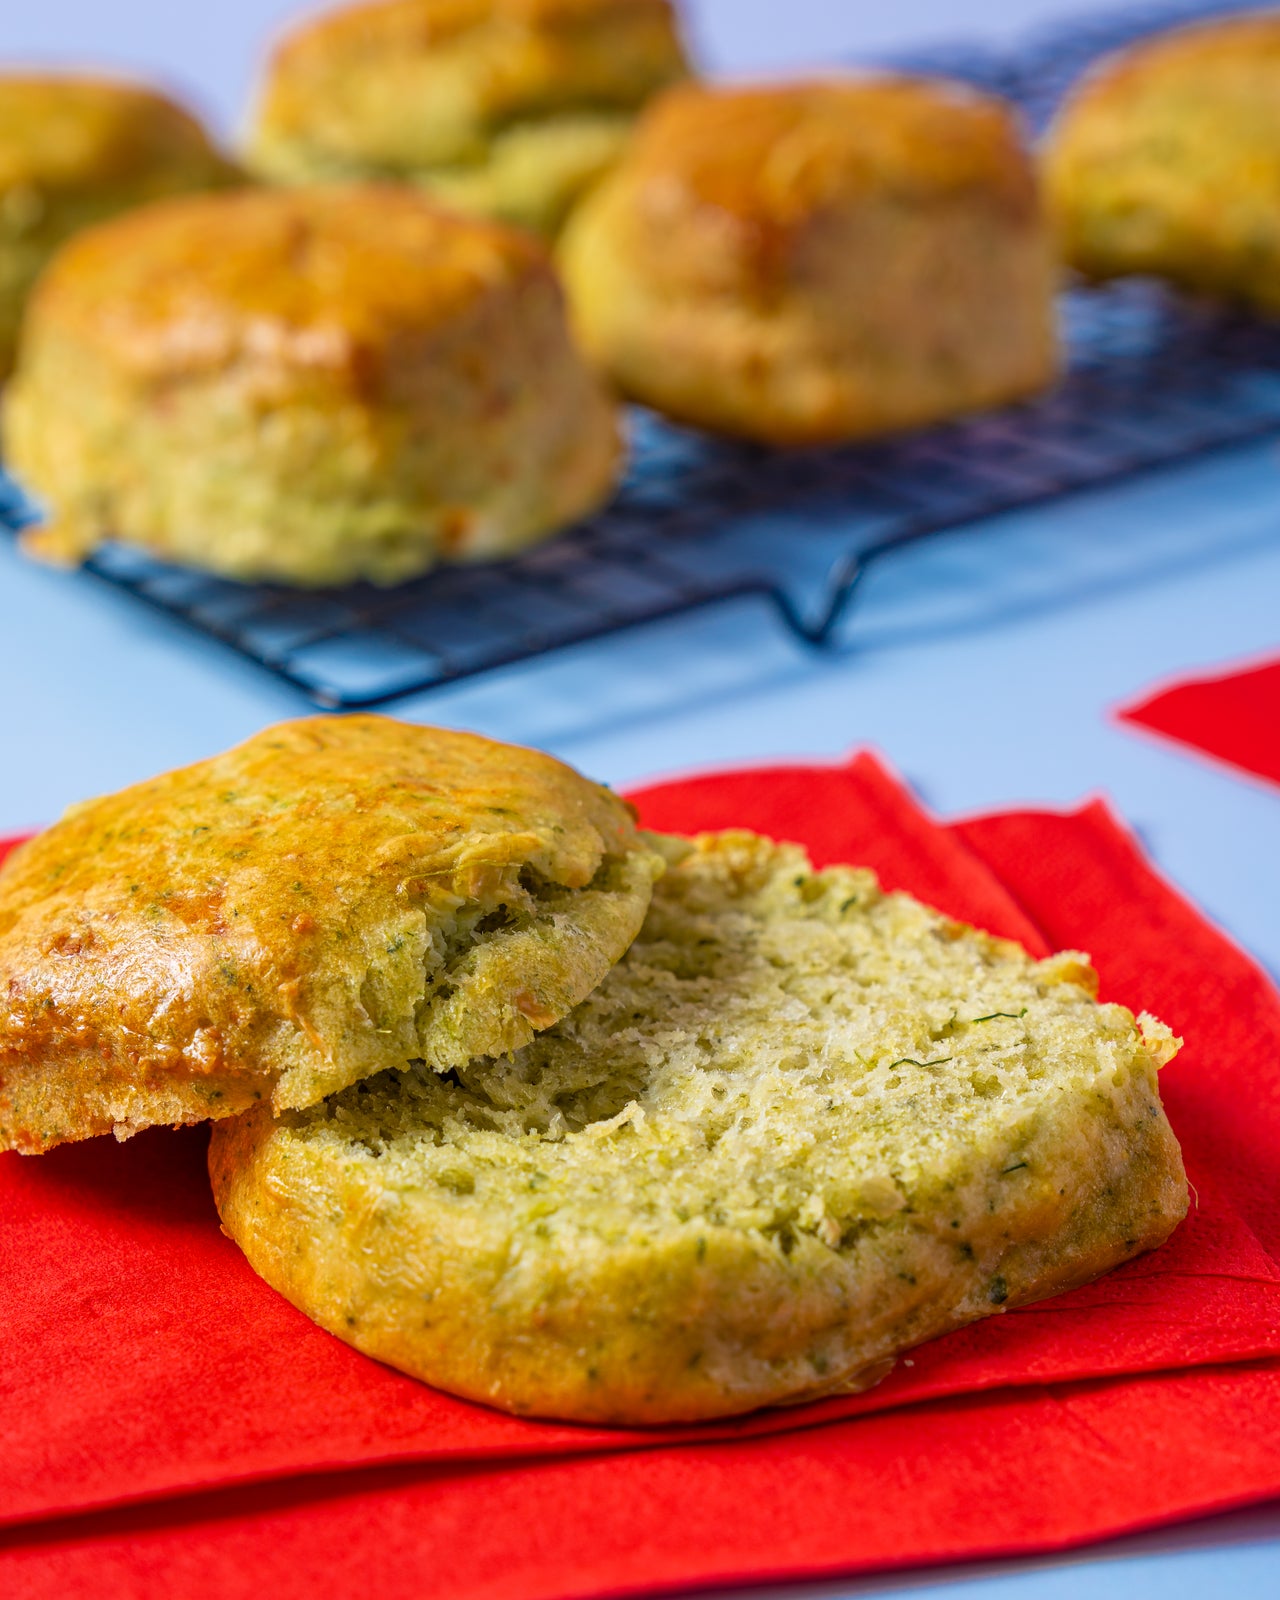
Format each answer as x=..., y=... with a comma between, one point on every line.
x=801, y=1126
x=508, y=108
x=332, y=898
x=817, y=261
x=1166, y=160
x=306, y=386
x=75, y=150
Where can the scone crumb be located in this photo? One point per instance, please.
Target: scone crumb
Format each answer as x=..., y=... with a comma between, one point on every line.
x=1159, y=1040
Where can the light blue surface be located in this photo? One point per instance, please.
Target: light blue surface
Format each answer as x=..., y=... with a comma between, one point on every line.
x=982, y=666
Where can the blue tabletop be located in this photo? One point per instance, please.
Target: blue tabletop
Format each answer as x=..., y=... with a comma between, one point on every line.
x=982, y=664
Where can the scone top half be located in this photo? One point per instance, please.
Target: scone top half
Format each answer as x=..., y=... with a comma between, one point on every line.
x=330, y=899
x=815, y=260
x=1166, y=160
x=511, y=105
x=74, y=150
x=306, y=386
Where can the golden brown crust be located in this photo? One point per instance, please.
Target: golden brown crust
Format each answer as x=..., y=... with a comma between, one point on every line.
x=74, y=151
x=1166, y=160
x=329, y=898
x=333, y=284
x=61, y=133
x=817, y=260
x=775, y=158
x=357, y=80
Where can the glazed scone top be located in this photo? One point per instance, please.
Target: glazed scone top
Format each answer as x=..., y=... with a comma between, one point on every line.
x=414, y=82
x=339, y=282
x=327, y=899
x=61, y=133
x=776, y=153
x=724, y=183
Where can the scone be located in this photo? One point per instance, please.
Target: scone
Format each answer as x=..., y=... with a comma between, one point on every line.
x=818, y=261
x=330, y=899
x=801, y=1126
x=507, y=108
x=1167, y=161
x=73, y=151
x=306, y=386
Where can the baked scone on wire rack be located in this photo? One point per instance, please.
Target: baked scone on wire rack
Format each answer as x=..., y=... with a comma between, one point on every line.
x=1166, y=161
x=809, y=262
x=306, y=386
x=801, y=1126
x=506, y=108
x=74, y=150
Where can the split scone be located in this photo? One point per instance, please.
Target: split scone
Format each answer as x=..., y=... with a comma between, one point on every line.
x=333, y=898
x=75, y=150
x=817, y=261
x=306, y=386
x=801, y=1126
x=1167, y=161
x=507, y=108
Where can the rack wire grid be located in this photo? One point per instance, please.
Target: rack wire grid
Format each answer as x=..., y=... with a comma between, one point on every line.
x=1151, y=379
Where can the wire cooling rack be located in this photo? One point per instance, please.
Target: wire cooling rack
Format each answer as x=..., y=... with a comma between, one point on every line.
x=1151, y=380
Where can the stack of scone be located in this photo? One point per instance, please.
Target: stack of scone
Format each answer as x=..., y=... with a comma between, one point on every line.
x=558, y=1115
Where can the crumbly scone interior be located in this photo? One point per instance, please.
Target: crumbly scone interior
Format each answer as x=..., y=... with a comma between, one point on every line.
x=781, y=1051
x=437, y=983
x=489, y=950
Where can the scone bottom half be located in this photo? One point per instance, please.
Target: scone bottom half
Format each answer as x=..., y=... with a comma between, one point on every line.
x=800, y=1127
x=331, y=899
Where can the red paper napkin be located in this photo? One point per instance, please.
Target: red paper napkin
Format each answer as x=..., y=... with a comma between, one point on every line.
x=147, y=1358
x=1018, y=1472
x=1233, y=716
x=238, y=1374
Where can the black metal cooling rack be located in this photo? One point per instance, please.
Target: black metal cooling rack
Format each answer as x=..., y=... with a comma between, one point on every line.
x=1151, y=380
